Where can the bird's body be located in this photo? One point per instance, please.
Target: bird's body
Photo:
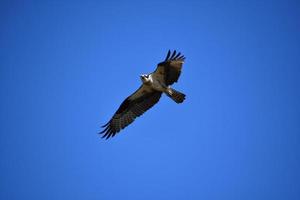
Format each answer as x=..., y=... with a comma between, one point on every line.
x=152, y=82
x=149, y=93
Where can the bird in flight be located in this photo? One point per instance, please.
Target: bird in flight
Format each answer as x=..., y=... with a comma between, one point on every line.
x=148, y=94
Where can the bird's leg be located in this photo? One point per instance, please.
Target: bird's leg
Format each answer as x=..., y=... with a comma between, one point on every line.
x=169, y=90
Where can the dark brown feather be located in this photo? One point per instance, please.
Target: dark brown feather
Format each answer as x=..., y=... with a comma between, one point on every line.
x=171, y=67
x=168, y=55
x=174, y=53
x=128, y=111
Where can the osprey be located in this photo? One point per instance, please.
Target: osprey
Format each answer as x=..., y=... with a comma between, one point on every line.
x=149, y=93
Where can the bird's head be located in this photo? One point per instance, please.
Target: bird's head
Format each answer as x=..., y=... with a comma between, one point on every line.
x=144, y=78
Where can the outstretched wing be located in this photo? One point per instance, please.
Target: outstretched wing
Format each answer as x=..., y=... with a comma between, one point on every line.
x=133, y=106
x=170, y=69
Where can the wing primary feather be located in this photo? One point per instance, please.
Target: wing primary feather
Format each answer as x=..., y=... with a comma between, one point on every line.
x=126, y=120
x=177, y=55
x=135, y=111
x=118, y=126
x=113, y=134
x=168, y=55
x=105, y=130
x=110, y=133
x=139, y=109
x=122, y=120
x=130, y=117
x=105, y=124
x=174, y=53
x=107, y=136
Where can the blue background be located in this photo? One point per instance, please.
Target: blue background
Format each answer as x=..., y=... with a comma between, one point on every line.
x=67, y=66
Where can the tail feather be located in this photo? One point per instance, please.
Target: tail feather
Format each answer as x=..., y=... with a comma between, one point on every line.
x=177, y=96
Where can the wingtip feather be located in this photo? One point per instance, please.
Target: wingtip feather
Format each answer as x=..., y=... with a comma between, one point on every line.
x=168, y=55
x=105, y=125
x=174, y=56
x=174, y=53
x=177, y=55
x=107, y=133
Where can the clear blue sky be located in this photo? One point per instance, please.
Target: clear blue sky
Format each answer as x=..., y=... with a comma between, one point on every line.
x=66, y=66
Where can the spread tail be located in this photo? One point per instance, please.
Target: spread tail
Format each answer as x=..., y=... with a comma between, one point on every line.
x=178, y=97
